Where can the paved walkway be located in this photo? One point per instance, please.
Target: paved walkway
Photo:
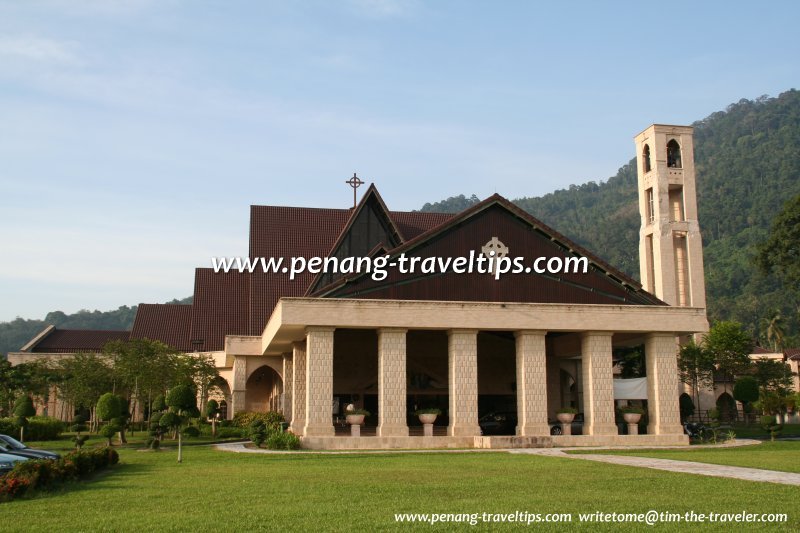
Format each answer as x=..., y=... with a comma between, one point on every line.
x=670, y=465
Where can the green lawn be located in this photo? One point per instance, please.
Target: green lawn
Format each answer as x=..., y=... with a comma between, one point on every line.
x=757, y=432
x=223, y=491
x=782, y=456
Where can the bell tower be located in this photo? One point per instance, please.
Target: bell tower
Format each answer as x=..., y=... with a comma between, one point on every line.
x=670, y=246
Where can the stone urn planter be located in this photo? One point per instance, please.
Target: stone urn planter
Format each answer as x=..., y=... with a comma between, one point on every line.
x=428, y=417
x=566, y=417
x=632, y=416
x=356, y=420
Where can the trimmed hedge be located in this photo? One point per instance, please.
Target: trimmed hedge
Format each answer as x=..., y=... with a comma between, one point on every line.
x=43, y=474
x=38, y=428
x=271, y=419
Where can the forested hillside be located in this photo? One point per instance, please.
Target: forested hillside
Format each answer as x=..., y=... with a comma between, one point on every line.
x=748, y=165
x=14, y=334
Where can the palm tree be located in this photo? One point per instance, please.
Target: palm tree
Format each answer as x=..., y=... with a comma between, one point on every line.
x=774, y=331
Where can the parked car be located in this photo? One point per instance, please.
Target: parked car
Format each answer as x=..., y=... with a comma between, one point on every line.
x=7, y=462
x=12, y=445
x=576, y=426
x=498, y=423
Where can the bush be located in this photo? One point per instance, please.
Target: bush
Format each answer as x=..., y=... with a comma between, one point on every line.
x=282, y=440
x=38, y=428
x=230, y=433
x=257, y=432
x=191, y=431
x=271, y=419
x=42, y=474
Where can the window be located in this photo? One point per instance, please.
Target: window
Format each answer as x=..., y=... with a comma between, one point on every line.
x=646, y=159
x=651, y=213
x=673, y=154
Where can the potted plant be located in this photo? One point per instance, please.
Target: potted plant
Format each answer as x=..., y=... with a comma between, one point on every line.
x=566, y=415
x=427, y=415
x=631, y=413
x=355, y=417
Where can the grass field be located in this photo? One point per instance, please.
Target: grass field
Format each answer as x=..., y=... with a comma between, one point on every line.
x=214, y=490
x=781, y=456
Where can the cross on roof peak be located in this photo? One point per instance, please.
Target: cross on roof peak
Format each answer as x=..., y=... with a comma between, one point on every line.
x=355, y=182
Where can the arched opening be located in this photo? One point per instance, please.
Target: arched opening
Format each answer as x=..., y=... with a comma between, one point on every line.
x=686, y=406
x=673, y=154
x=726, y=406
x=263, y=390
x=646, y=158
x=221, y=392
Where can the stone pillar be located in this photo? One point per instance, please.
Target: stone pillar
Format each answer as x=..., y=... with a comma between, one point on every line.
x=298, y=387
x=288, y=371
x=319, y=382
x=392, y=383
x=554, y=397
x=598, y=383
x=661, y=357
x=239, y=383
x=462, y=370
x=531, y=383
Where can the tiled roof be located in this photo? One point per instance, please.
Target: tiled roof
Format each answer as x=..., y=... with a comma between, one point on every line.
x=792, y=353
x=220, y=307
x=168, y=323
x=77, y=340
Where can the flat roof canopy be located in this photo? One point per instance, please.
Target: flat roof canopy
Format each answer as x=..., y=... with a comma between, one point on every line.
x=293, y=315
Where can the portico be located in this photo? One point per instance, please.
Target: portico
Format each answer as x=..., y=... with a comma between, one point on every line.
x=302, y=330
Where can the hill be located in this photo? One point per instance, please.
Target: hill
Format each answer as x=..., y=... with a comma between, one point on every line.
x=748, y=165
x=14, y=334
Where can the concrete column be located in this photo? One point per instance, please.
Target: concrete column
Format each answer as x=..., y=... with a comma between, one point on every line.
x=661, y=358
x=531, y=383
x=239, y=383
x=598, y=384
x=392, y=383
x=288, y=371
x=462, y=370
x=554, y=397
x=298, y=387
x=319, y=382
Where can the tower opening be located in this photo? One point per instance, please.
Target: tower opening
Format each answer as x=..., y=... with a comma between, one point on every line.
x=646, y=158
x=674, y=154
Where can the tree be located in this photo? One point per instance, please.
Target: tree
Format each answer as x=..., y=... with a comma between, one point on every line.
x=84, y=378
x=781, y=252
x=212, y=411
x=182, y=401
x=23, y=408
x=745, y=390
x=773, y=376
x=774, y=332
x=112, y=409
x=696, y=367
x=729, y=347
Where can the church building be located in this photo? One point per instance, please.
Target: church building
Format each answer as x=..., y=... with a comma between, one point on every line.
x=470, y=343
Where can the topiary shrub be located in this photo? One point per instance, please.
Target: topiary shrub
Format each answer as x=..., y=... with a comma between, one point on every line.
x=282, y=440
x=257, y=432
x=191, y=431
x=108, y=431
x=230, y=433
x=44, y=428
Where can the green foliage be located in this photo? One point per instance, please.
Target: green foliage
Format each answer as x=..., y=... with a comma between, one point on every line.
x=770, y=423
x=191, y=431
x=357, y=412
x=23, y=407
x=212, y=409
x=109, y=430
x=271, y=419
x=257, y=432
x=182, y=398
x=159, y=404
x=170, y=420
x=781, y=252
x=454, y=204
x=745, y=390
x=729, y=346
x=773, y=376
x=43, y=474
x=631, y=409
x=230, y=433
x=37, y=428
x=109, y=407
x=282, y=440
x=428, y=411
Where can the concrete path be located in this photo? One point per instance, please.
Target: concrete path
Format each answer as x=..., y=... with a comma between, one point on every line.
x=686, y=467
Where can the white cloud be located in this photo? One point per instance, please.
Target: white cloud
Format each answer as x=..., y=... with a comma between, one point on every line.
x=39, y=49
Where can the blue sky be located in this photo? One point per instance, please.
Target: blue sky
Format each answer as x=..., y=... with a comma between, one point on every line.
x=134, y=134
